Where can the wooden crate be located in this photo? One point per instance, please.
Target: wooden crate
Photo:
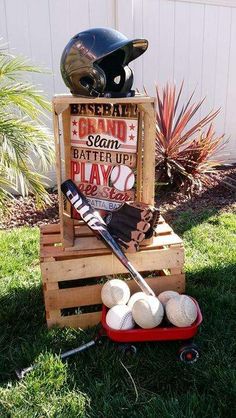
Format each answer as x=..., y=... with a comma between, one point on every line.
x=72, y=279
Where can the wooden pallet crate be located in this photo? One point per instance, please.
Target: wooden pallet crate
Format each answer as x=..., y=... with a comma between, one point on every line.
x=73, y=278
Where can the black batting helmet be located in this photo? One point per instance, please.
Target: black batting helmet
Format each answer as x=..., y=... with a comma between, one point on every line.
x=95, y=62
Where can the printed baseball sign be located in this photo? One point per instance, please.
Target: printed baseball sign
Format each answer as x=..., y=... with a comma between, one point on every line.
x=104, y=152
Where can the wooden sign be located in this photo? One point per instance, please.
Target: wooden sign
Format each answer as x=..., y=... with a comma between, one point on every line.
x=103, y=156
x=107, y=146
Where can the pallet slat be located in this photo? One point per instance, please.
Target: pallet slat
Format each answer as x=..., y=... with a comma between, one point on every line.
x=77, y=321
x=93, y=243
x=164, y=258
x=91, y=295
x=103, y=265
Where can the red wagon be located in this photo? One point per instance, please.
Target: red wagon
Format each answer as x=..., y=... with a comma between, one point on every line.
x=188, y=353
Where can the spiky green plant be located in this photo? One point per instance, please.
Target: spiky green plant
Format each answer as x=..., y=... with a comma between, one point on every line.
x=26, y=146
x=185, y=155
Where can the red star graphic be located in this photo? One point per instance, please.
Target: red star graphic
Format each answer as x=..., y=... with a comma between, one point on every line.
x=132, y=127
x=74, y=132
x=74, y=122
x=131, y=137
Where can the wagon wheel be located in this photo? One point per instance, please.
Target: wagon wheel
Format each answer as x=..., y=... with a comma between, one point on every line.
x=189, y=354
x=128, y=349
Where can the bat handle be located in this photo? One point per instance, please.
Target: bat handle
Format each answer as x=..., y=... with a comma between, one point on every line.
x=140, y=281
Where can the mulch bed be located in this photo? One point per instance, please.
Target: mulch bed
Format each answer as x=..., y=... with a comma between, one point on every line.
x=23, y=211
x=218, y=196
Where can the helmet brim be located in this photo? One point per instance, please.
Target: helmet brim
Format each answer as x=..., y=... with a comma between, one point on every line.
x=132, y=49
x=139, y=47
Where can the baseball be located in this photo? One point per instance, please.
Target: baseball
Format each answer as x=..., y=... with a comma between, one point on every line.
x=148, y=312
x=120, y=317
x=115, y=292
x=122, y=178
x=181, y=311
x=134, y=297
x=167, y=295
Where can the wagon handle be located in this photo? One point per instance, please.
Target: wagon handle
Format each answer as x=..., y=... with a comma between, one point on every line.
x=20, y=373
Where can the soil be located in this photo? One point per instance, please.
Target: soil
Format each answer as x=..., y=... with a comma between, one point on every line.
x=220, y=196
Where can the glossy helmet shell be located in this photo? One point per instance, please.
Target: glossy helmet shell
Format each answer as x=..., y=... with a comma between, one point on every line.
x=95, y=62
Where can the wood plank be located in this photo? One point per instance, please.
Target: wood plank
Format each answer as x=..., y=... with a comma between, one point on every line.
x=3, y=22
x=162, y=240
x=50, y=239
x=136, y=23
x=69, y=99
x=89, y=246
x=68, y=222
x=60, y=34
x=209, y=56
x=91, y=295
x=51, y=286
x=175, y=270
x=225, y=3
x=163, y=229
x=58, y=161
x=181, y=54
x=195, y=53
x=53, y=315
x=93, y=243
x=100, y=14
x=79, y=226
x=166, y=42
x=160, y=283
x=83, y=231
x=51, y=251
x=124, y=21
x=16, y=15
x=151, y=62
x=103, y=265
x=67, y=231
x=230, y=120
x=50, y=228
x=66, y=140
x=139, y=183
x=77, y=321
x=75, y=9
x=149, y=155
x=73, y=297
x=68, y=236
x=62, y=253
x=222, y=66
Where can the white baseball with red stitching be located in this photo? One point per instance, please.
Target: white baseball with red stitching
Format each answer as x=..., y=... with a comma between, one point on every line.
x=122, y=177
x=120, y=317
x=181, y=311
x=115, y=292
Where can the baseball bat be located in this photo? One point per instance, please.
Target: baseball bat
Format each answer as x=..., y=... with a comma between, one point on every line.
x=99, y=227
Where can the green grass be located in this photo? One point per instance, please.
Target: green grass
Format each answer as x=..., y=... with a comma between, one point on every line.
x=96, y=383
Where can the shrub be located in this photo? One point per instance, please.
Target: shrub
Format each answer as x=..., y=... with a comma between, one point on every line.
x=24, y=138
x=184, y=155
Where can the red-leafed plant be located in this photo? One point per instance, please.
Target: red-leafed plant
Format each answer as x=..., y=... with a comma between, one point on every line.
x=185, y=155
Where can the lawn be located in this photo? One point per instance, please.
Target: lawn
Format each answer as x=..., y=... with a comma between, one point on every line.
x=102, y=382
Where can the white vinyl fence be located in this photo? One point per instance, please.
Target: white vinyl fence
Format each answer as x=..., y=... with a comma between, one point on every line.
x=192, y=40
